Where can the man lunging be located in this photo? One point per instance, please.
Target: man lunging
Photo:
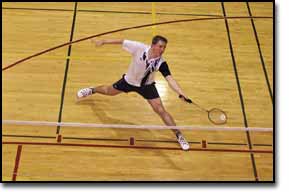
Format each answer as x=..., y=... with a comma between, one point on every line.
x=146, y=60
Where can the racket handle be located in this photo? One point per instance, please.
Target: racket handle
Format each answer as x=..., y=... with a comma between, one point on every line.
x=186, y=99
x=190, y=101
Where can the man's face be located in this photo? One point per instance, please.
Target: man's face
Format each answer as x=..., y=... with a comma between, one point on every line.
x=159, y=48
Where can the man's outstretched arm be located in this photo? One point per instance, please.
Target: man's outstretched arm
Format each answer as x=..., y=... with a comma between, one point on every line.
x=107, y=41
x=175, y=86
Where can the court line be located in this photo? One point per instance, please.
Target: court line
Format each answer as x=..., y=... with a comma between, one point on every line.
x=124, y=126
x=153, y=13
x=222, y=143
x=141, y=140
x=17, y=162
x=109, y=11
x=263, y=145
x=164, y=141
x=29, y=136
x=66, y=67
x=240, y=92
x=122, y=29
x=135, y=147
x=96, y=139
x=260, y=53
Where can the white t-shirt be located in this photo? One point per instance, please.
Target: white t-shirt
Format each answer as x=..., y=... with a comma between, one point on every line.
x=141, y=70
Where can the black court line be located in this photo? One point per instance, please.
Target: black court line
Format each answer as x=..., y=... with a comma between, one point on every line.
x=165, y=141
x=240, y=144
x=109, y=11
x=31, y=136
x=66, y=68
x=33, y=9
x=263, y=145
x=240, y=93
x=260, y=53
x=141, y=140
x=222, y=143
x=135, y=147
x=94, y=139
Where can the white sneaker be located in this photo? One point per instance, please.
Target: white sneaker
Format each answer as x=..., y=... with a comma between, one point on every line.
x=182, y=141
x=84, y=93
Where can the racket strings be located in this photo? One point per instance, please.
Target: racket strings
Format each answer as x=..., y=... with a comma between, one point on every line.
x=217, y=116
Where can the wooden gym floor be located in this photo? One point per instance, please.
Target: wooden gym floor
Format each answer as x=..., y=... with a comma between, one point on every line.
x=217, y=65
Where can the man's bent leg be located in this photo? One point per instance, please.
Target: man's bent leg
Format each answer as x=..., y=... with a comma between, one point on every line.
x=160, y=110
x=168, y=120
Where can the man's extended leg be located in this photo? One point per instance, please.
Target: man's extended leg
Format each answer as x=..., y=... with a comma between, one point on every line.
x=105, y=90
x=168, y=120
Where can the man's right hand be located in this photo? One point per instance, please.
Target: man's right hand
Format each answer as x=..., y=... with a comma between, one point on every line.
x=97, y=43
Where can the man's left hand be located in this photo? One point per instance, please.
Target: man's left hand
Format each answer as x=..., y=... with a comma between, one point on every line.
x=186, y=99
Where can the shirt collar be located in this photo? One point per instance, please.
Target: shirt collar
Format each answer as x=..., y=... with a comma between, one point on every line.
x=147, y=54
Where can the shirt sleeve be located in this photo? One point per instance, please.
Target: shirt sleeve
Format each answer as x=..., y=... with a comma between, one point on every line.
x=164, y=69
x=131, y=46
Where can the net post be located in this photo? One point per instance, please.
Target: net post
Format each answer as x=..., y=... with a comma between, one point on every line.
x=131, y=141
x=204, y=144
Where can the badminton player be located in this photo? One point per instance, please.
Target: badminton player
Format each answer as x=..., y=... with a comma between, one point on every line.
x=146, y=61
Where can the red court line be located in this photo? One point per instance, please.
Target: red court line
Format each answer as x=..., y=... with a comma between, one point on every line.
x=137, y=147
x=125, y=29
x=17, y=161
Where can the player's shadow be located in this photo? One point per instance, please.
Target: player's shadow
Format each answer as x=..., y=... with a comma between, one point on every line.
x=98, y=107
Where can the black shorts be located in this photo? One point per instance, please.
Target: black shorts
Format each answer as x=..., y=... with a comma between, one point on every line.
x=147, y=91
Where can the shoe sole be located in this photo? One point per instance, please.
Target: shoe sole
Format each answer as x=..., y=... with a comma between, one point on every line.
x=186, y=149
x=78, y=99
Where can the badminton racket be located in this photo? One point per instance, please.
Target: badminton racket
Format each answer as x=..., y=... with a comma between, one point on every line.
x=215, y=115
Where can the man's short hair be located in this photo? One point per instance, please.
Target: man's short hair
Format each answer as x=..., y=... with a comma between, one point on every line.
x=158, y=38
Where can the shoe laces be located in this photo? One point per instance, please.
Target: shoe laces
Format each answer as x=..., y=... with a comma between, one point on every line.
x=85, y=92
x=182, y=140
